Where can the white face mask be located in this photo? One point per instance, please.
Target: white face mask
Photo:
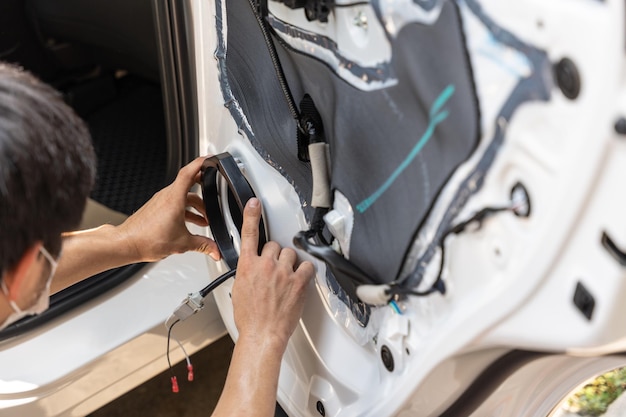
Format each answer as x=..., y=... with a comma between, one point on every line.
x=42, y=303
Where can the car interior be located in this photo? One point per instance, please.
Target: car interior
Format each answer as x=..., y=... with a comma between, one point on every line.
x=103, y=59
x=110, y=61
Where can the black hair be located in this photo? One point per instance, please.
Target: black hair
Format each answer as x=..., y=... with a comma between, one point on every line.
x=47, y=165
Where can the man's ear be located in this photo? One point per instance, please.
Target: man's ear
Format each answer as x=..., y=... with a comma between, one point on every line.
x=15, y=277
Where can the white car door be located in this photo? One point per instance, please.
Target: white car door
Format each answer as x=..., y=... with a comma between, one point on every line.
x=527, y=214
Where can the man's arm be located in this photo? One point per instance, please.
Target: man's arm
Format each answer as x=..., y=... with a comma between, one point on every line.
x=155, y=231
x=268, y=298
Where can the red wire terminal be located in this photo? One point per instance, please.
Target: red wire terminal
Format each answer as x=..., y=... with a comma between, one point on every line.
x=174, y=384
x=190, y=372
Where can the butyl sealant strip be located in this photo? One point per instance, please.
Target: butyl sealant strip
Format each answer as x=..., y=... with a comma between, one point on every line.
x=359, y=320
x=396, y=14
x=325, y=49
x=246, y=115
x=533, y=86
x=234, y=107
x=429, y=237
x=357, y=310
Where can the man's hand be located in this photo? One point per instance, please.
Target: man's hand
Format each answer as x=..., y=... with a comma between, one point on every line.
x=155, y=231
x=268, y=298
x=158, y=228
x=269, y=289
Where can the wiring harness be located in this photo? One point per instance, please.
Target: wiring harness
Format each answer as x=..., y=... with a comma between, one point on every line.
x=193, y=303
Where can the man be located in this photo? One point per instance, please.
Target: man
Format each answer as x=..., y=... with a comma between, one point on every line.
x=46, y=172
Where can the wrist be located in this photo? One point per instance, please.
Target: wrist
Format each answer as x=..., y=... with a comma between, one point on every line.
x=265, y=344
x=115, y=243
x=126, y=242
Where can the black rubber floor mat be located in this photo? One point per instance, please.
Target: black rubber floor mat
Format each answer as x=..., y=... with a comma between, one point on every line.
x=129, y=138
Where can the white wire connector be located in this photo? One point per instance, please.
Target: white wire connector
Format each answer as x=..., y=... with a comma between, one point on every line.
x=376, y=295
x=190, y=306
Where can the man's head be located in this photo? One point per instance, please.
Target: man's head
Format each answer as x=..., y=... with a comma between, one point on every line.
x=47, y=168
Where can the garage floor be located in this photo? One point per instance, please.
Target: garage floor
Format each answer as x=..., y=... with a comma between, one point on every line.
x=198, y=398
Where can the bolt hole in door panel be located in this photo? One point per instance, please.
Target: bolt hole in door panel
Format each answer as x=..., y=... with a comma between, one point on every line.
x=434, y=111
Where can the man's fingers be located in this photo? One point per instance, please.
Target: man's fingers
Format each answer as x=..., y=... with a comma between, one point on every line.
x=196, y=202
x=205, y=245
x=306, y=270
x=187, y=175
x=250, y=227
x=195, y=219
x=288, y=256
x=271, y=249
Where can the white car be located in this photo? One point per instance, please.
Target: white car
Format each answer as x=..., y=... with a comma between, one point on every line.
x=380, y=136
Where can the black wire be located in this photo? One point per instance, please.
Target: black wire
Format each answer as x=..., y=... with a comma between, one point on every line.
x=203, y=292
x=282, y=79
x=479, y=217
x=439, y=284
x=217, y=282
x=358, y=3
x=169, y=335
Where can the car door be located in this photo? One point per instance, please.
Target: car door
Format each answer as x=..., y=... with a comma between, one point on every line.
x=464, y=189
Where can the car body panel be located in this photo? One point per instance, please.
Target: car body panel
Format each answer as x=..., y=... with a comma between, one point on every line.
x=512, y=282
x=82, y=360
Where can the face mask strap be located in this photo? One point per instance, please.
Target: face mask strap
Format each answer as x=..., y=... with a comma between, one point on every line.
x=53, y=263
x=40, y=304
x=12, y=303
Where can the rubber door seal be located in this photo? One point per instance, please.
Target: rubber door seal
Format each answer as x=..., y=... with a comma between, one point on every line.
x=240, y=190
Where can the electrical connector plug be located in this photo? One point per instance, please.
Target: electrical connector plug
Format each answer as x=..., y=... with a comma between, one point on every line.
x=189, y=306
x=174, y=384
